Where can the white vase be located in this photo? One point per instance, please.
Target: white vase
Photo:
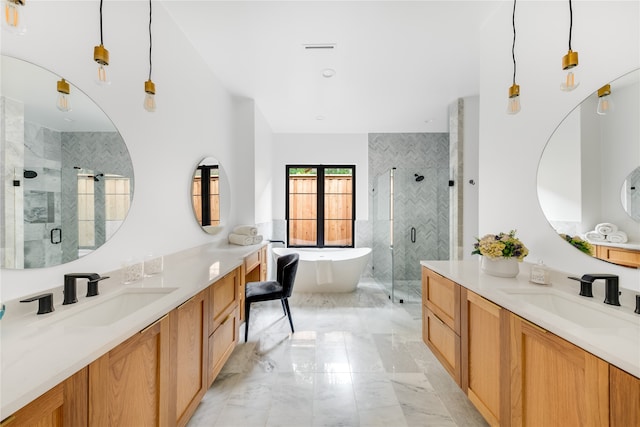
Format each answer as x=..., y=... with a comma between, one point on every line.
x=500, y=267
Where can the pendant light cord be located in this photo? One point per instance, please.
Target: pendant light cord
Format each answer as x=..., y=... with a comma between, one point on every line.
x=570, y=23
x=101, y=41
x=513, y=46
x=150, y=40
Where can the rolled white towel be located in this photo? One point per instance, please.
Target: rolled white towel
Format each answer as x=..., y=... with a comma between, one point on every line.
x=617, y=237
x=257, y=239
x=606, y=228
x=240, y=239
x=247, y=230
x=594, y=236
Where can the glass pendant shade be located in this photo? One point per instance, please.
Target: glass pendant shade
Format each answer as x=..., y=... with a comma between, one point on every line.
x=605, y=104
x=570, y=80
x=101, y=56
x=150, y=96
x=13, y=16
x=63, y=102
x=513, y=106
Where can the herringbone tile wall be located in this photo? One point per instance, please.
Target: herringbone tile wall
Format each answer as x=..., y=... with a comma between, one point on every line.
x=422, y=205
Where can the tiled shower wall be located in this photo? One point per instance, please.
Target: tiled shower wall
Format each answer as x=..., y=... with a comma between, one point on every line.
x=101, y=152
x=423, y=205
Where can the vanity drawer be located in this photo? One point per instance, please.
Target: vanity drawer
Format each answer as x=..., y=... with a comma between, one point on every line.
x=442, y=297
x=620, y=256
x=252, y=261
x=221, y=344
x=443, y=342
x=223, y=297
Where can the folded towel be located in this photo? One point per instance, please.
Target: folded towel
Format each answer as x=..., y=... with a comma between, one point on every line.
x=257, y=239
x=606, y=228
x=594, y=236
x=617, y=237
x=324, y=271
x=240, y=239
x=247, y=230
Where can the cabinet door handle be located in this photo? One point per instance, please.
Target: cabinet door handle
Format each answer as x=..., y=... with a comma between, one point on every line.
x=229, y=316
x=154, y=324
x=8, y=421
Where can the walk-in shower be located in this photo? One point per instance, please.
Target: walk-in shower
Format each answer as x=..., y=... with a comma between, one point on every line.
x=411, y=223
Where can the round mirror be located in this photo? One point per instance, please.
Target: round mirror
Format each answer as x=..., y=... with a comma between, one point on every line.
x=592, y=153
x=67, y=177
x=208, y=179
x=630, y=194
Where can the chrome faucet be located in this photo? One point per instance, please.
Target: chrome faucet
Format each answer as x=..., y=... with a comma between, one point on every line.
x=70, y=296
x=611, y=290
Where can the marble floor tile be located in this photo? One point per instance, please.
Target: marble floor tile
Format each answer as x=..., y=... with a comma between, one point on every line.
x=355, y=360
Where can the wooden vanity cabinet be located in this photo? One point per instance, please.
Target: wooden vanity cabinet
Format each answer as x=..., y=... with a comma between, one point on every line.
x=223, y=324
x=485, y=357
x=554, y=382
x=65, y=405
x=620, y=256
x=189, y=347
x=624, y=398
x=441, y=320
x=130, y=385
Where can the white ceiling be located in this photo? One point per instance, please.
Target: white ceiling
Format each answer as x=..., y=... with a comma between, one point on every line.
x=398, y=64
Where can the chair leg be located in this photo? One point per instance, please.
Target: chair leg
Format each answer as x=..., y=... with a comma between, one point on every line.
x=247, y=306
x=283, y=307
x=285, y=302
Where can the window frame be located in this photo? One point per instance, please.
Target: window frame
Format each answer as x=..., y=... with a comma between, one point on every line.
x=320, y=196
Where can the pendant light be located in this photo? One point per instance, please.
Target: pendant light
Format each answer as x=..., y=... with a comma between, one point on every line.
x=605, y=105
x=101, y=56
x=513, y=107
x=150, y=87
x=569, y=61
x=63, y=103
x=13, y=16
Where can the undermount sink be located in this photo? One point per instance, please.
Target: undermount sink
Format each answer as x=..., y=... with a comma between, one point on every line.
x=579, y=310
x=112, y=308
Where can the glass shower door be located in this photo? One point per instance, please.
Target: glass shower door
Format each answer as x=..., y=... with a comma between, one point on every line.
x=382, y=232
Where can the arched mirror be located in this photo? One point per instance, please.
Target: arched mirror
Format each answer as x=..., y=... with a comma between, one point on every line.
x=67, y=177
x=207, y=188
x=589, y=172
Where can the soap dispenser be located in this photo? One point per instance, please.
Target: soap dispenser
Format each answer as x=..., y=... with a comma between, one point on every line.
x=540, y=274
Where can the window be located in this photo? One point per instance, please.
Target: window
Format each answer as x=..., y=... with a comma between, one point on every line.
x=320, y=205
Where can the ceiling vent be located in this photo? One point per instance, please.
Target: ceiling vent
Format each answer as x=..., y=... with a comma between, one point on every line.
x=320, y=46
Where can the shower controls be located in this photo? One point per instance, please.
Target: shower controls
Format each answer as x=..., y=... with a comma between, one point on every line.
x=413, y=234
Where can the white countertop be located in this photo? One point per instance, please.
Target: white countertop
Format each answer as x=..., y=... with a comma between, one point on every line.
x=618, y=346
x=628, y=245
x=36, y=355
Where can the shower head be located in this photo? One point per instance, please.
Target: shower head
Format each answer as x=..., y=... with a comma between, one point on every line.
x=29, y=174
x=418, y=177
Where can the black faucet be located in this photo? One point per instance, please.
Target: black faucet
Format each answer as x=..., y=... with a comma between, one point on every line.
x=611, y=290
x=70, y=286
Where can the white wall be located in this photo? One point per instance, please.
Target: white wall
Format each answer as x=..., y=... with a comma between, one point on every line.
x=327, y=149
x=196, y=117
x=605, y=33
x=264, y=173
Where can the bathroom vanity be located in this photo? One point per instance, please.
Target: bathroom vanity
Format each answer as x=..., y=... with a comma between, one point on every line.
x=150, y=367
x=531, y=355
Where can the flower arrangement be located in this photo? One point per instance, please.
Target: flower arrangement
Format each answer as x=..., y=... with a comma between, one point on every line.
x=501, y=245
x=582, y=245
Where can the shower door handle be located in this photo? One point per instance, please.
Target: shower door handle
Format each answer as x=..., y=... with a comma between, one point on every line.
x=413, y=234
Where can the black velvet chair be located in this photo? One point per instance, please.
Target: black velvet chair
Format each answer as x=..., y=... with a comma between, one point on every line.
x=281, y=289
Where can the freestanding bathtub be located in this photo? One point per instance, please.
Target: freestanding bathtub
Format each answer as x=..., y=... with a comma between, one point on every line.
x=328, y=269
